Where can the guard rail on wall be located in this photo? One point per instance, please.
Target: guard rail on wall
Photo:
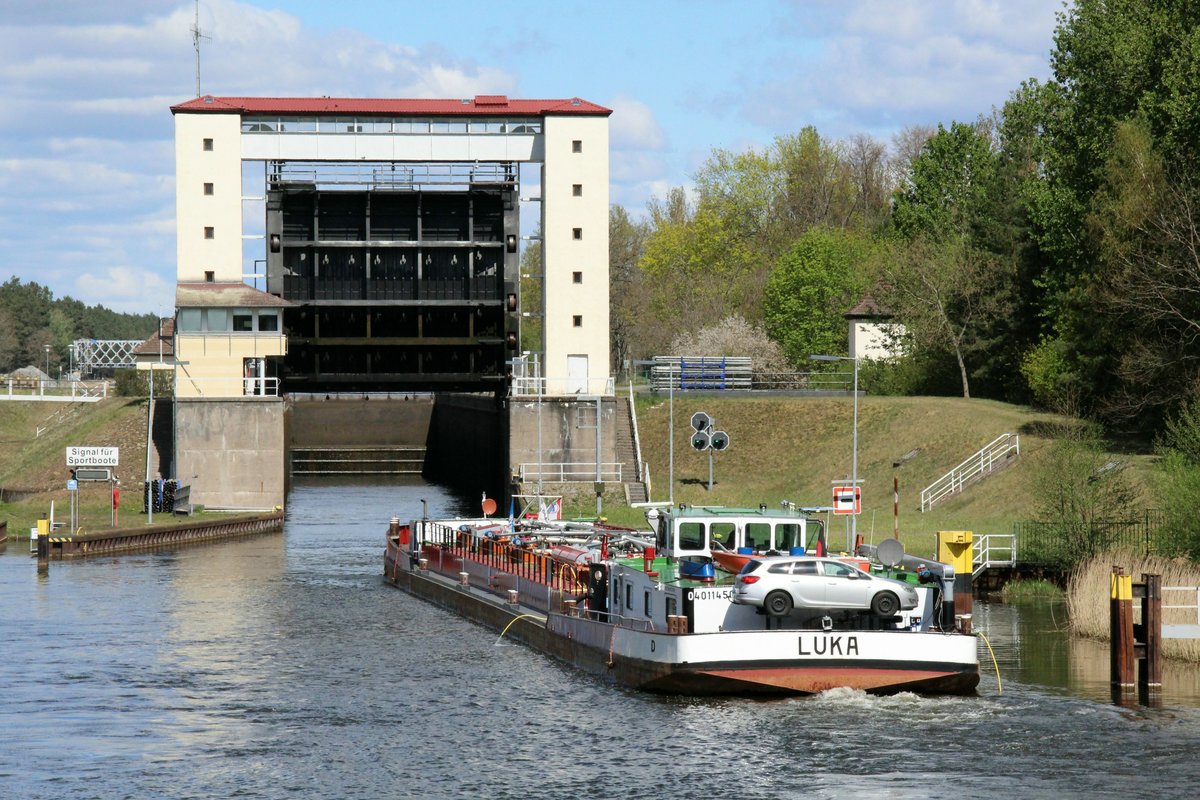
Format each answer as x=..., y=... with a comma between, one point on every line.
x=1182, y=630
x=227, y=387
x=993, y=550
x=536, y=387
x=988, y=458
x=570, y=472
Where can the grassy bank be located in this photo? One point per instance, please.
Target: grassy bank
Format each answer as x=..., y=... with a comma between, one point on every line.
x=33, y=467
x=794, y=448
x=1089, y=590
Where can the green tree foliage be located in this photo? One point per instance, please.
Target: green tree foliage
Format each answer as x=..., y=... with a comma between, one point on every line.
x=708, y=256
x=1084, y=496
x=531, y=297
x=810, y=290
x=953, y=276
x=627, y=297
x=1114, y=62
x=31, y=318
x=1179, y=480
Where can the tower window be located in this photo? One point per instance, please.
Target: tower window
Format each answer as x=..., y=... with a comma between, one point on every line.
x=576, y=277
x=577, y=189
x=208, y=188
x=208, y=145
x=209, y=276
x=577, y=146
x=577, y=233
x=210, y=232
x=577, y=320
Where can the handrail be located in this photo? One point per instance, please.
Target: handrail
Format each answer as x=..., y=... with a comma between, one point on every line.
x=983, y=557
x=637, y=443
x=1182, y=630
x=978, y=463
x=570, y=471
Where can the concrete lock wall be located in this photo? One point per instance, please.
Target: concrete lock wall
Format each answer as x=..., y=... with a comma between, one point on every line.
x=568, y=433
x=360, y=423
x=231, y=451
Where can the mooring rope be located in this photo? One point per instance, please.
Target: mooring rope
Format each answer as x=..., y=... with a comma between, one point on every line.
x=999, y=688
x=514, y=619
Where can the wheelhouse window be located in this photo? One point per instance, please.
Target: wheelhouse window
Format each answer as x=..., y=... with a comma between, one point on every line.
x=758, y=535
x=789, y=535
x=722, y=533
x=691, y=536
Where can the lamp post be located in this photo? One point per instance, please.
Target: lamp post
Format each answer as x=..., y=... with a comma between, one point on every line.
x=854, y=444
x=47, y=361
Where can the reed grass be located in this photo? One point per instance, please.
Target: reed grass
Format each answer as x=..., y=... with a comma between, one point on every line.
x=1029, y=590
x=1088, y=594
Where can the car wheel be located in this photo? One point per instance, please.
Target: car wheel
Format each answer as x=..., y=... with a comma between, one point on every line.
x=778, y=604
x=885, y=604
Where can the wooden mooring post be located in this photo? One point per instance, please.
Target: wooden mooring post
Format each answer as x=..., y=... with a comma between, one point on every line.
x=1135, y=644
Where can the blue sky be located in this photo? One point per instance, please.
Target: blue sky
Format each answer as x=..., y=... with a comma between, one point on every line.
x=86, y=149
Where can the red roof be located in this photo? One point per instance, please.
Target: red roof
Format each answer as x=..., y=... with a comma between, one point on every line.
x=491, y=105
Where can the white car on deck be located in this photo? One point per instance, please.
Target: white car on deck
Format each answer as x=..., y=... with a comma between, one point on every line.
x=780, y=584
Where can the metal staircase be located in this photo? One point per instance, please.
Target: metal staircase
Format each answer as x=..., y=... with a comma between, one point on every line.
x=993, y=456
x=629, y=452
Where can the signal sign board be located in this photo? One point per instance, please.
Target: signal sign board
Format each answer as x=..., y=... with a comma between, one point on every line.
x=847, y=500
x=92, y=456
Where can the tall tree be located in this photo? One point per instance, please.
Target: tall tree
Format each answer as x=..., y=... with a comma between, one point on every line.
x=810, y=290
x=629, y=315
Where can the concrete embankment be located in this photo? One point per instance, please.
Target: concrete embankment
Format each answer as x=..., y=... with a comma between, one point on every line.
x=128, y=540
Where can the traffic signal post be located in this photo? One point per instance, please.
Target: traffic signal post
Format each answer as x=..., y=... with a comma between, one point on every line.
x=704, y=437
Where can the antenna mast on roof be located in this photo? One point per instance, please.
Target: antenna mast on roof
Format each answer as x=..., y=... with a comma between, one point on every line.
x=196, y=37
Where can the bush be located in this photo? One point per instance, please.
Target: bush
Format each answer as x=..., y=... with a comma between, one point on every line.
x=136, y=383
x=734, y=336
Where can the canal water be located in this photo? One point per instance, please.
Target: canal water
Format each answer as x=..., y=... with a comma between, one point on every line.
x=282, y=666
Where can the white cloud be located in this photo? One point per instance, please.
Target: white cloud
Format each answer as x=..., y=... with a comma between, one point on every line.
x=633, y=125
x=127, y=289
x=883, y=64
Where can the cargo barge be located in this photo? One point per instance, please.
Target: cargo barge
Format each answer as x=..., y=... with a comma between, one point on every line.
x=649, y=611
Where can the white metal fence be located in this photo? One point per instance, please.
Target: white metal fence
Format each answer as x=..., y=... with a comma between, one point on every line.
x=1184, y=630
x=570, y=472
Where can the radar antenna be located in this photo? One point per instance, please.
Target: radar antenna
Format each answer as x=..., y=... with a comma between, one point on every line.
x=197, y=35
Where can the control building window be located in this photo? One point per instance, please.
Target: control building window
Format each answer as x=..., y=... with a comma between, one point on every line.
x=208, y=188
x=208, y=145
x=576, y=277
x=576, y=233
x=209, y=232
x=268, y=321
x=209, y=276
x=577, y=189
x=577, y=320
x=577, y=146
x=243, y=323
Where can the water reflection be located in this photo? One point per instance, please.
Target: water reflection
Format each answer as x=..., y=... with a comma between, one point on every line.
x=1033, y=644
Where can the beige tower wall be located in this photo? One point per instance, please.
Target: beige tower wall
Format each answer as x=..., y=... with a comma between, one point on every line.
x=563, y=255
x=222, y=210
